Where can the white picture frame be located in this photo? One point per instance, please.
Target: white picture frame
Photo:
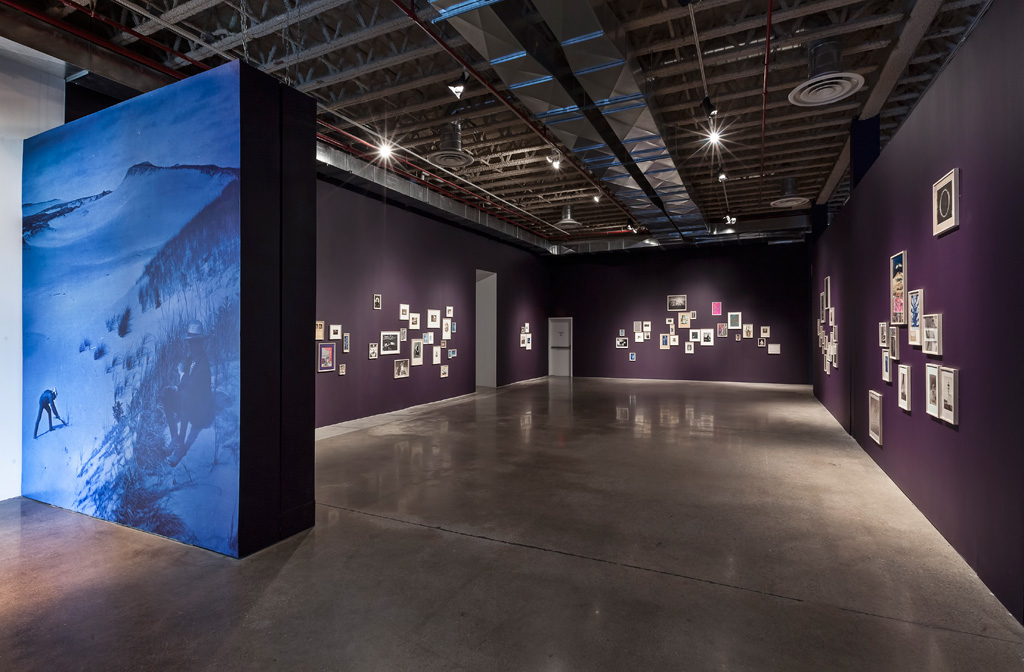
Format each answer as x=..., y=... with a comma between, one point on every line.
x=762, y=342
x=898, y=289
x=774, y=348
x=903, y=386
x=403, y=312
x=663, y=341
x=694, y=336
x=748, y=331
x=735, y=321
x=883, y=334
x=403, y=334
x=433, y=319
x=335, y=332
x=946, y=203
x=319, y=331
x=444, y=370
x=414, y=320
x=373, y=350
x=390, y=342
x=673, y=339
x=766, y=332
x=875, y=416
x=707, y=337
x=638, y=325
x=446, y=329
x=931, y=389
x=894, y=343
x=638, y=337
x=931, y=334
x=949, y=395
x=401, y=368
x=684, y=320
x=435, y=357
x=915, y=312
x=449, y=311
x=621, y=343
x=689, y=347
x=647, y=326
x=886, y=366
x=632, y=356
x=416, y=352
x=377, y=302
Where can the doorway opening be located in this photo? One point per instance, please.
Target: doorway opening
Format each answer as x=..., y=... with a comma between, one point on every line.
x=486, y=328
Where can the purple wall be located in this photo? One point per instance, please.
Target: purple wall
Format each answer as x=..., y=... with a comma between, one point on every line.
x=605, y=293
x=966, y=479
x=367, y=247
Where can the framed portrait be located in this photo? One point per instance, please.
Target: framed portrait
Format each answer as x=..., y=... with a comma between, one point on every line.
x=444, y=371
x=723, y=329
x=401, y=368
x=403, y=312
x=638, y=326
x=663, y=340
x=946, y=203
x=416, y=355
x=716, y=308
x=446, y=328
x=341, y=369
x=886, y=366
x=676, y=302
x=325, y=357
x=748, y=331
x=894, y=342
x=949, y=395
x=694, y=336
x=707, y=336
x=915, y=310
x=376, y=302
x=374, y=349
x=319, y=332
x=931, y=389
x=673, y=339
x=433, y=319
x=693, y=314
x=774, y=348
x=647, y=326
x=903, y=386
x=390, y=342
x=449, y=311
x=335, y=332
x=684, y=320
x=766, y=332
x=689, y=347
x=444, y=343
x=931, y=336
x=875, y=416
x=883, y=334
x=403, y=334
x=621, y=343
x=436, y=355
x=762, y=342
x=638, y=336
x=735, y=320
x=898, y=288
x=739, y=337
x=346, y=342
x=632, y=356
x=414, y=320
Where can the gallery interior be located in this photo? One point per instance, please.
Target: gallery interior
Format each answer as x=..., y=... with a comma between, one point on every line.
x=510, y=334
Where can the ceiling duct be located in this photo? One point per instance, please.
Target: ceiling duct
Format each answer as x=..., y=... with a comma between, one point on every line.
x=790, y=198
x=450, y=153
x=826, y=82
x=567, y=221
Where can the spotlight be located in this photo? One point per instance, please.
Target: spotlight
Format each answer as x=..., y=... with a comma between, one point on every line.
x=385, y=150
x=597, y=198
x=459, y=85
x=709, y=108
x=730, y=220
x=722, y=177
x=714, y=137
x=557, y=163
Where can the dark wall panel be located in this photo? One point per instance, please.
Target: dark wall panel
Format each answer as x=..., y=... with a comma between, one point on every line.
x=606, y=293
x=965, y=479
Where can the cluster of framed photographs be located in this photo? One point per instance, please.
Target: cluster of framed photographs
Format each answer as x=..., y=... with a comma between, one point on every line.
x=327, y=352
x=828, y=332
x=525, y=337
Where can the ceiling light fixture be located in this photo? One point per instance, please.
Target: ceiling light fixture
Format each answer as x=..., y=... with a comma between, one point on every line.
x=709, y=108
x=459, y=85
x=714, y=137
x=722, y=177
x=597, y=198
x=730, y=220
x=385, y=150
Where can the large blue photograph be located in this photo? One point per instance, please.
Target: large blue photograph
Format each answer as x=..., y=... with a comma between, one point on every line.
x=132, y=265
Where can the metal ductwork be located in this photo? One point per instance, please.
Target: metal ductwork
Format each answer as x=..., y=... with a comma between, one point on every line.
x=790, y=198
x=449, y=153
x=826, y=82
x=567, y=220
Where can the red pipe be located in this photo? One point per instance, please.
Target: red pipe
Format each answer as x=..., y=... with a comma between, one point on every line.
x=764, y=99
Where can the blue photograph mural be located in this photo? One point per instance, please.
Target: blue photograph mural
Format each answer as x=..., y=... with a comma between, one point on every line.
x=132, y=266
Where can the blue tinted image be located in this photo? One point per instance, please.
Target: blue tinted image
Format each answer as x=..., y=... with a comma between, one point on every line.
x=131, y=249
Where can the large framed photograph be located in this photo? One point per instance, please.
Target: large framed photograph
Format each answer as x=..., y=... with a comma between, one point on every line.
x=903, y=386
x=931, y=388
x=875, y=416
x=401, y=368
x=735, y=320
x=416, y=346
x=915, y=309
x=898, y=288
x=620, y=342
x=433, y=319
x=949, y=395
x=886, y=366
x=676, y=302
x=946, y=203
x=325, y=357
x=707, y=336
x=390, y=342
x=931, y=326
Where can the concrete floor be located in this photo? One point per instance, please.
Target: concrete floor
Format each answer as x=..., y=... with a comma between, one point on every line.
x=555, y=525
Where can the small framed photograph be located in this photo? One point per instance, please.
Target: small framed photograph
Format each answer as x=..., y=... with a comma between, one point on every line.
x=433, y=319
x=684, y=320
x=428, y=338
x=886, y=366
x=931, y=388
x=664, y=342
x=915, y=309
x=390, y=342
x=766, y=332
x=403, y=312
x=903, y=386
x=723, y=329
x=735, y=320
x=632, y=356
x=444, y=343
x=522, y=340
x=416, y=348
x=828, y=291
x=446, y=328
x=325, y=358
x=898, y=288
x=946, y=203
x=774, y=348
x=831, y=316
x=319, y=330
x=403, y=334
x=693, y=315
x=451, y=353
x=638, y=337
x=931, y=327
x=376, y=302
x=647, y=326
x=689, y=349
x=716, y=308
x=694, y=336
x=622, y=332
x=748, y=331
x=621, y=343
x=762, y=342
x=821, y=307
x=335, y=332
x=669, y=321
x=647, y=335
x=894, y=343
x=673, y=339
x=401, y=368
x=739, y=337
x=949, y=395
x=341, y=369
x=672, y=328
x=638, y=326
x=883, y=334
x=414, y=320
x=374, y=349
x=449, y=311
x=529, y=341
x=436, y=355
x=676, y=302
x=707, y=337
x=444, y=370
x=346, y=342
x=527, y=327
x=875, y=416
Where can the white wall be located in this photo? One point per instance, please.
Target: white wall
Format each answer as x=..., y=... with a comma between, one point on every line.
x=31, y=101
x=486, y=329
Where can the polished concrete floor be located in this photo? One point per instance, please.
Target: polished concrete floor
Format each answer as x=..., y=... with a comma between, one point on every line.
x=554, y=525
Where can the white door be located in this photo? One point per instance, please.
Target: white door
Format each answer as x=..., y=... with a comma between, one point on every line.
x=560, y=346
x=486, y=328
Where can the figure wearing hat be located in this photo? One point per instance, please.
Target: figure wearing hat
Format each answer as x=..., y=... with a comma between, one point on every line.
x=189, y=405
x=48, y=403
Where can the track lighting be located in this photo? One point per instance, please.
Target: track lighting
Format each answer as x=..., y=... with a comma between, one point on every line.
x=709, y=108
x=597, y=198
x=722, y=177
x=555, y=159
x=459, y=85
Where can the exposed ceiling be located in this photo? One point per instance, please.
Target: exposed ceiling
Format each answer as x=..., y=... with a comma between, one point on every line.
x=613, y=89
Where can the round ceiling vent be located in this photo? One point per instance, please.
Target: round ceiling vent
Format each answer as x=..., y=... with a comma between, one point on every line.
x=447, y=158
x=790, y=202
x=826, y=88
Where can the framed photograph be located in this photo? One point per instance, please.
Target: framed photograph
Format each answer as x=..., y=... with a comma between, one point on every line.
x=647, y=326
x=673, y=339
x=529, y=341
x=828, y=291
x=346, y=342
x=748, y=331
x=632, y=356
x=325, y=358
x=522, y=340
x=414, y=320
x=894, y=342
x=903, y=386
x=403, y=313
x=684, y=320
x=931, y=388
x=376, y=302
x=647, y=335
x=723, y=329
x=436, y=356
x=527, y=327
x=433, y=319
x=663, y=341
x=949, y=395
x=707, y=336
x=638, y=337
x=621, y=343
x=622, y=332
x=898, y=288
x=762, y=342
x=875, y=416
x=449, y=311
x=374, y=349
x=672, y=329
x=883, y=334
x=886, y=366
x=401, y=368
x=716, y=308
x=694, y=336
x=403, y=334
x=451, y=353
x=735, y=320
x=931, y=326
x=416, y=356
x=638, y=326
x=446, y=328
x=335, y=332
x=693, y=314
x=428, y=338
x=444, y=344
x=766, y=332
x=739, y=337
x=341, y=369
x=946, y=203
x=319, y=330
x=390, y=342
x=676, y=302
x=444, y=371
x=689, y=347
x=915, y=309
x=832, y=316
x=774, y=348
x=821, y=307
x=670, y=321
